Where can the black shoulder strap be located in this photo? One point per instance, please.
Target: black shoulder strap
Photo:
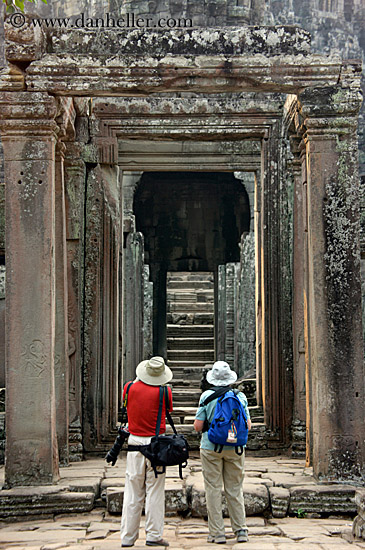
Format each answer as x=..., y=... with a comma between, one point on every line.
x=168, y=415
x=125, y=400
x=215, y=395
x=159, y=414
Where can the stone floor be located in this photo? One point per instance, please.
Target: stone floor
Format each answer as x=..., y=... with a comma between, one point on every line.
x=98, y=529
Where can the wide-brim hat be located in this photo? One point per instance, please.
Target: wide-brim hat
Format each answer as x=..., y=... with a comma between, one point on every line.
x=221, y=374
x=154, y=372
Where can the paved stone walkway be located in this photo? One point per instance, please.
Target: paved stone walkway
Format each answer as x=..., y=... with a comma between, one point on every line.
x=99, y=529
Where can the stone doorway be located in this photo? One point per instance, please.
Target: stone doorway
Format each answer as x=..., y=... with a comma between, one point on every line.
x=191, y=222
x=211, y=104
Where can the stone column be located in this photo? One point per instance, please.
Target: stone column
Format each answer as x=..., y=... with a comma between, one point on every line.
x=220, y=300
x=147, y=314
x=258, y=287
x=133, y=304
x=276, y=307
x=334, y=300
x=308, y=372
x=29, y=136
x=75, y=184
x=299, y=384
x=245, y=332
x=61, y=327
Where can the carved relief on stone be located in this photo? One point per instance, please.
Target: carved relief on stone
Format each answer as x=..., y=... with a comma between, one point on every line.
x=33, y=359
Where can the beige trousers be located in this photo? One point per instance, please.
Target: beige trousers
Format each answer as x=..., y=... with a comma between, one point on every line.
x=227, y=469
x=141, y=484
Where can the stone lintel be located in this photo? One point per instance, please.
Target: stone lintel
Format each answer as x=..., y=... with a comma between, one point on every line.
x=249, y=104
x=188, y=155
x=241, y=115
x=71, y=74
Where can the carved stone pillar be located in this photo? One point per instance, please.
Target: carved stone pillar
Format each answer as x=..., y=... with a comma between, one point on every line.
x=258, y=287
x=299, y=398
x=29, y=136
x=61, y=330
x=75, y=177
x=276, y=307
x=65, y=119
x=334, y=297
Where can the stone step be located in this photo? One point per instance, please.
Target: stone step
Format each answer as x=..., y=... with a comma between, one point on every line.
x=257, y=413
x=190, y=355
x=186, y=397
x=187, y=295
x=183, y=284
x=198, y=318
x=189, y=369
x=196, y=331
x=186, y=307
x=206, y=343
x=183, y=382
x=190, y=276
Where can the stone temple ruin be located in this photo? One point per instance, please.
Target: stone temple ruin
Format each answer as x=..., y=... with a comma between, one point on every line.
x=187, y=192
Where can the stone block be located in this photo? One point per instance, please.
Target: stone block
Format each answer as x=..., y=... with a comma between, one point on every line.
x=358, y=527
x=288, y=480
x=323, y=499
x=279, y=500
x=83, y=485
x=116, y=483
x=114, y=500
x=360, y=502
x=42, y=501
x=259, y=480
x=256, y=500
x=175, y=499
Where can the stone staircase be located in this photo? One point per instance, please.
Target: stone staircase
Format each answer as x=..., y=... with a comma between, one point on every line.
x=190, y=341
x=190, y=350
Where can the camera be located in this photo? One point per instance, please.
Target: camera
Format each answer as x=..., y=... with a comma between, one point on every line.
x=122, y=436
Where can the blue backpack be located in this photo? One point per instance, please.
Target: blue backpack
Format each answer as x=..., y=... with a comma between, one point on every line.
x=229, y=425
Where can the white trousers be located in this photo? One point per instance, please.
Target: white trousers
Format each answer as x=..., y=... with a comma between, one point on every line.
x=142, y=485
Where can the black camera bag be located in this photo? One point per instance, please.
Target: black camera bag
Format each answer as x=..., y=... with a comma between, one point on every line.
x=165, y=450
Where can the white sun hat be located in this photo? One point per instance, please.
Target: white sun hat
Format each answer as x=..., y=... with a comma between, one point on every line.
x=221, y=374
